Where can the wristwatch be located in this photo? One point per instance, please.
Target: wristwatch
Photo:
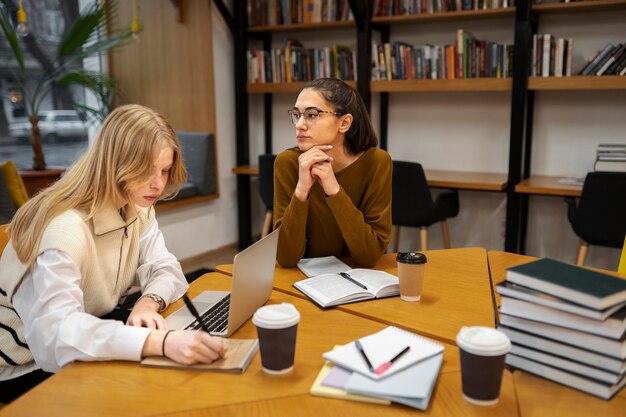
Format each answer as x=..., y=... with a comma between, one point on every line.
x=157, y=299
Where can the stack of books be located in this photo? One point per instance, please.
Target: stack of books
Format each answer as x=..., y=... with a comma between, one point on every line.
x=567, y=324
x=611, y=157
x=609, y=60
x=392, y=365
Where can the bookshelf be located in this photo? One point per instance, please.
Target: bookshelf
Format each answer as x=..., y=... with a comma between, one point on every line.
x=518, y=183
x=546, y=185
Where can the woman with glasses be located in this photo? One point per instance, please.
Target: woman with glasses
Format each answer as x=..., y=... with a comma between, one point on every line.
x=332, y=193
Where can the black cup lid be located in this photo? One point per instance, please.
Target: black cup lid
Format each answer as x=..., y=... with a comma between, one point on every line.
x=411, y=258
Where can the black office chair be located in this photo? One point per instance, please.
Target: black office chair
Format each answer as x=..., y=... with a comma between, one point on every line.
x=600, y=217
x=412, y=205
x=266, y=189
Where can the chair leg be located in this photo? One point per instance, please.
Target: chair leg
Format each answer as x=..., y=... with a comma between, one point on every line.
x=267, y=224
x=446, y=233
x=424, y=237
x=582, y=253
x=396, y=238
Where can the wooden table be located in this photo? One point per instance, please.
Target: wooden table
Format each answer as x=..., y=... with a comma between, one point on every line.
x=547, y=185
x=539, y=397
x=478, y=181
x=456, y=293
x=126, y=389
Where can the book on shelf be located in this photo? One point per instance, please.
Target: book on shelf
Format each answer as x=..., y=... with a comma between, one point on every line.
x=603, y=345
x=239, y=354
x=567, y=364
x=337, y=390
x=332, y=289
x=520, y=292
x=604, y=69
x=598, y=388
x=599, y=58
x=611, y=148
x=575, y=353
x=610, y=166
x=613, y=326
x=586, y=287
x=380, y=347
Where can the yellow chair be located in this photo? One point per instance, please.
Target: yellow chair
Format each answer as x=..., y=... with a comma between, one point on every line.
x=622, y=262
x=4, y=236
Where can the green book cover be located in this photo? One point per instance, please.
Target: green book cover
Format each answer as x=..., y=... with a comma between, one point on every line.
x=580, y=285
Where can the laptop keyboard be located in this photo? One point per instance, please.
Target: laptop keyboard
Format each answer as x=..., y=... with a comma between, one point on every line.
x=215, y=319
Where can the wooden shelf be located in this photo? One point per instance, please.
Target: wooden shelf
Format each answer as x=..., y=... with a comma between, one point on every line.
x=577, y=82
x=579, y=6
x=302, y=26
x=547, y=185
x=445, y=16
x=466, y=84
x=273, y=88
x=479, y=181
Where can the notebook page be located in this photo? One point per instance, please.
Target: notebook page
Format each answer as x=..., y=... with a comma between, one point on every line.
x=381, y=347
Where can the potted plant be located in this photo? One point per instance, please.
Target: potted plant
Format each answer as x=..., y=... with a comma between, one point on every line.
x=82, y=40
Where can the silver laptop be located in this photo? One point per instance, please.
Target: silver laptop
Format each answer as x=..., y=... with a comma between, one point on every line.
x=224, y=312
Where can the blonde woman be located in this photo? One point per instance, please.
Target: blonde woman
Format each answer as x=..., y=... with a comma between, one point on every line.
x=76, y=249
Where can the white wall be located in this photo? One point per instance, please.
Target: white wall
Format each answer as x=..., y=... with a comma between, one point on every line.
x=207, y=226
x=454, y=131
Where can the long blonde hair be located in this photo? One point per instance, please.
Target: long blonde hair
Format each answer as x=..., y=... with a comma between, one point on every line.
x=122, y=154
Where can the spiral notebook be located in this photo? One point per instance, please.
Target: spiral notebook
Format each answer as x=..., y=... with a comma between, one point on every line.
x=380, y=347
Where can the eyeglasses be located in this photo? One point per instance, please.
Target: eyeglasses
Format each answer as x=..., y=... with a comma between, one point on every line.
x=310, y=115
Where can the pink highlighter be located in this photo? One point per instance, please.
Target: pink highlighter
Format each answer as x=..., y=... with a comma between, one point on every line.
x=385, y=365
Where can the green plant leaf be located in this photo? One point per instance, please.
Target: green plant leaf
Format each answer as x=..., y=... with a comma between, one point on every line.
x=9, y=32
x=87, y=22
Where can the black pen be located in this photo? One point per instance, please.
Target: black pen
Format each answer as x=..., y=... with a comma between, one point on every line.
x=383, y=367
x=193, y=310
x=352, y=280
x=359, y=347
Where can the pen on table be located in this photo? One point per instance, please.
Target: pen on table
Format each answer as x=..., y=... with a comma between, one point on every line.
x=359, y=347
x=352, y=280
x=383, y=367
x=193, y=310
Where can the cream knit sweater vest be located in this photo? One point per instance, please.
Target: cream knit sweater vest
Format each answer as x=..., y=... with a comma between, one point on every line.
x=106, y=250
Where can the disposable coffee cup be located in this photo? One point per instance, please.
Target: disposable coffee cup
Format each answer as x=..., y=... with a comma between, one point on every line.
x=277, y=325
x=411, y=267
x=483, y=351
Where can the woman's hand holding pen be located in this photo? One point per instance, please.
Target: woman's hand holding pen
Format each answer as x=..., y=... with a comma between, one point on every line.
x=184, y=346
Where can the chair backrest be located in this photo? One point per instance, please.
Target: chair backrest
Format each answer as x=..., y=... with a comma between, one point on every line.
x=266, y=179
x=409, y=193
x=4, y=237
x=198, y=150
x=600, y=218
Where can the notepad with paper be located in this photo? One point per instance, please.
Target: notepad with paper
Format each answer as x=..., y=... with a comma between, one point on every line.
x=380, y=347
x=412, y=386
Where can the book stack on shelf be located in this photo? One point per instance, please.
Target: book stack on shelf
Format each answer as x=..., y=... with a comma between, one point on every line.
x=566, y=324
x=467, y=57
x=294, y=63
x=286, y=12
x=551, y=57
x=611, y=157
x=392, y=365
x=409, y=7
x=610, y=60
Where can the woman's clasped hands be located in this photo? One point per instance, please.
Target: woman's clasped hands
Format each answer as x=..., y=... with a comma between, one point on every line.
x=315, y=165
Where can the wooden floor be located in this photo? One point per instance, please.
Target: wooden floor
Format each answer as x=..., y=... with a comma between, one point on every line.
x=210, y=259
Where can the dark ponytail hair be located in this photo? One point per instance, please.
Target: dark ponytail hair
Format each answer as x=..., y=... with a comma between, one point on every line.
x=345, y=99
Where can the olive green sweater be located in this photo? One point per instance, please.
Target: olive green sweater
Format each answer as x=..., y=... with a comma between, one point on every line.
x=356, y=222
